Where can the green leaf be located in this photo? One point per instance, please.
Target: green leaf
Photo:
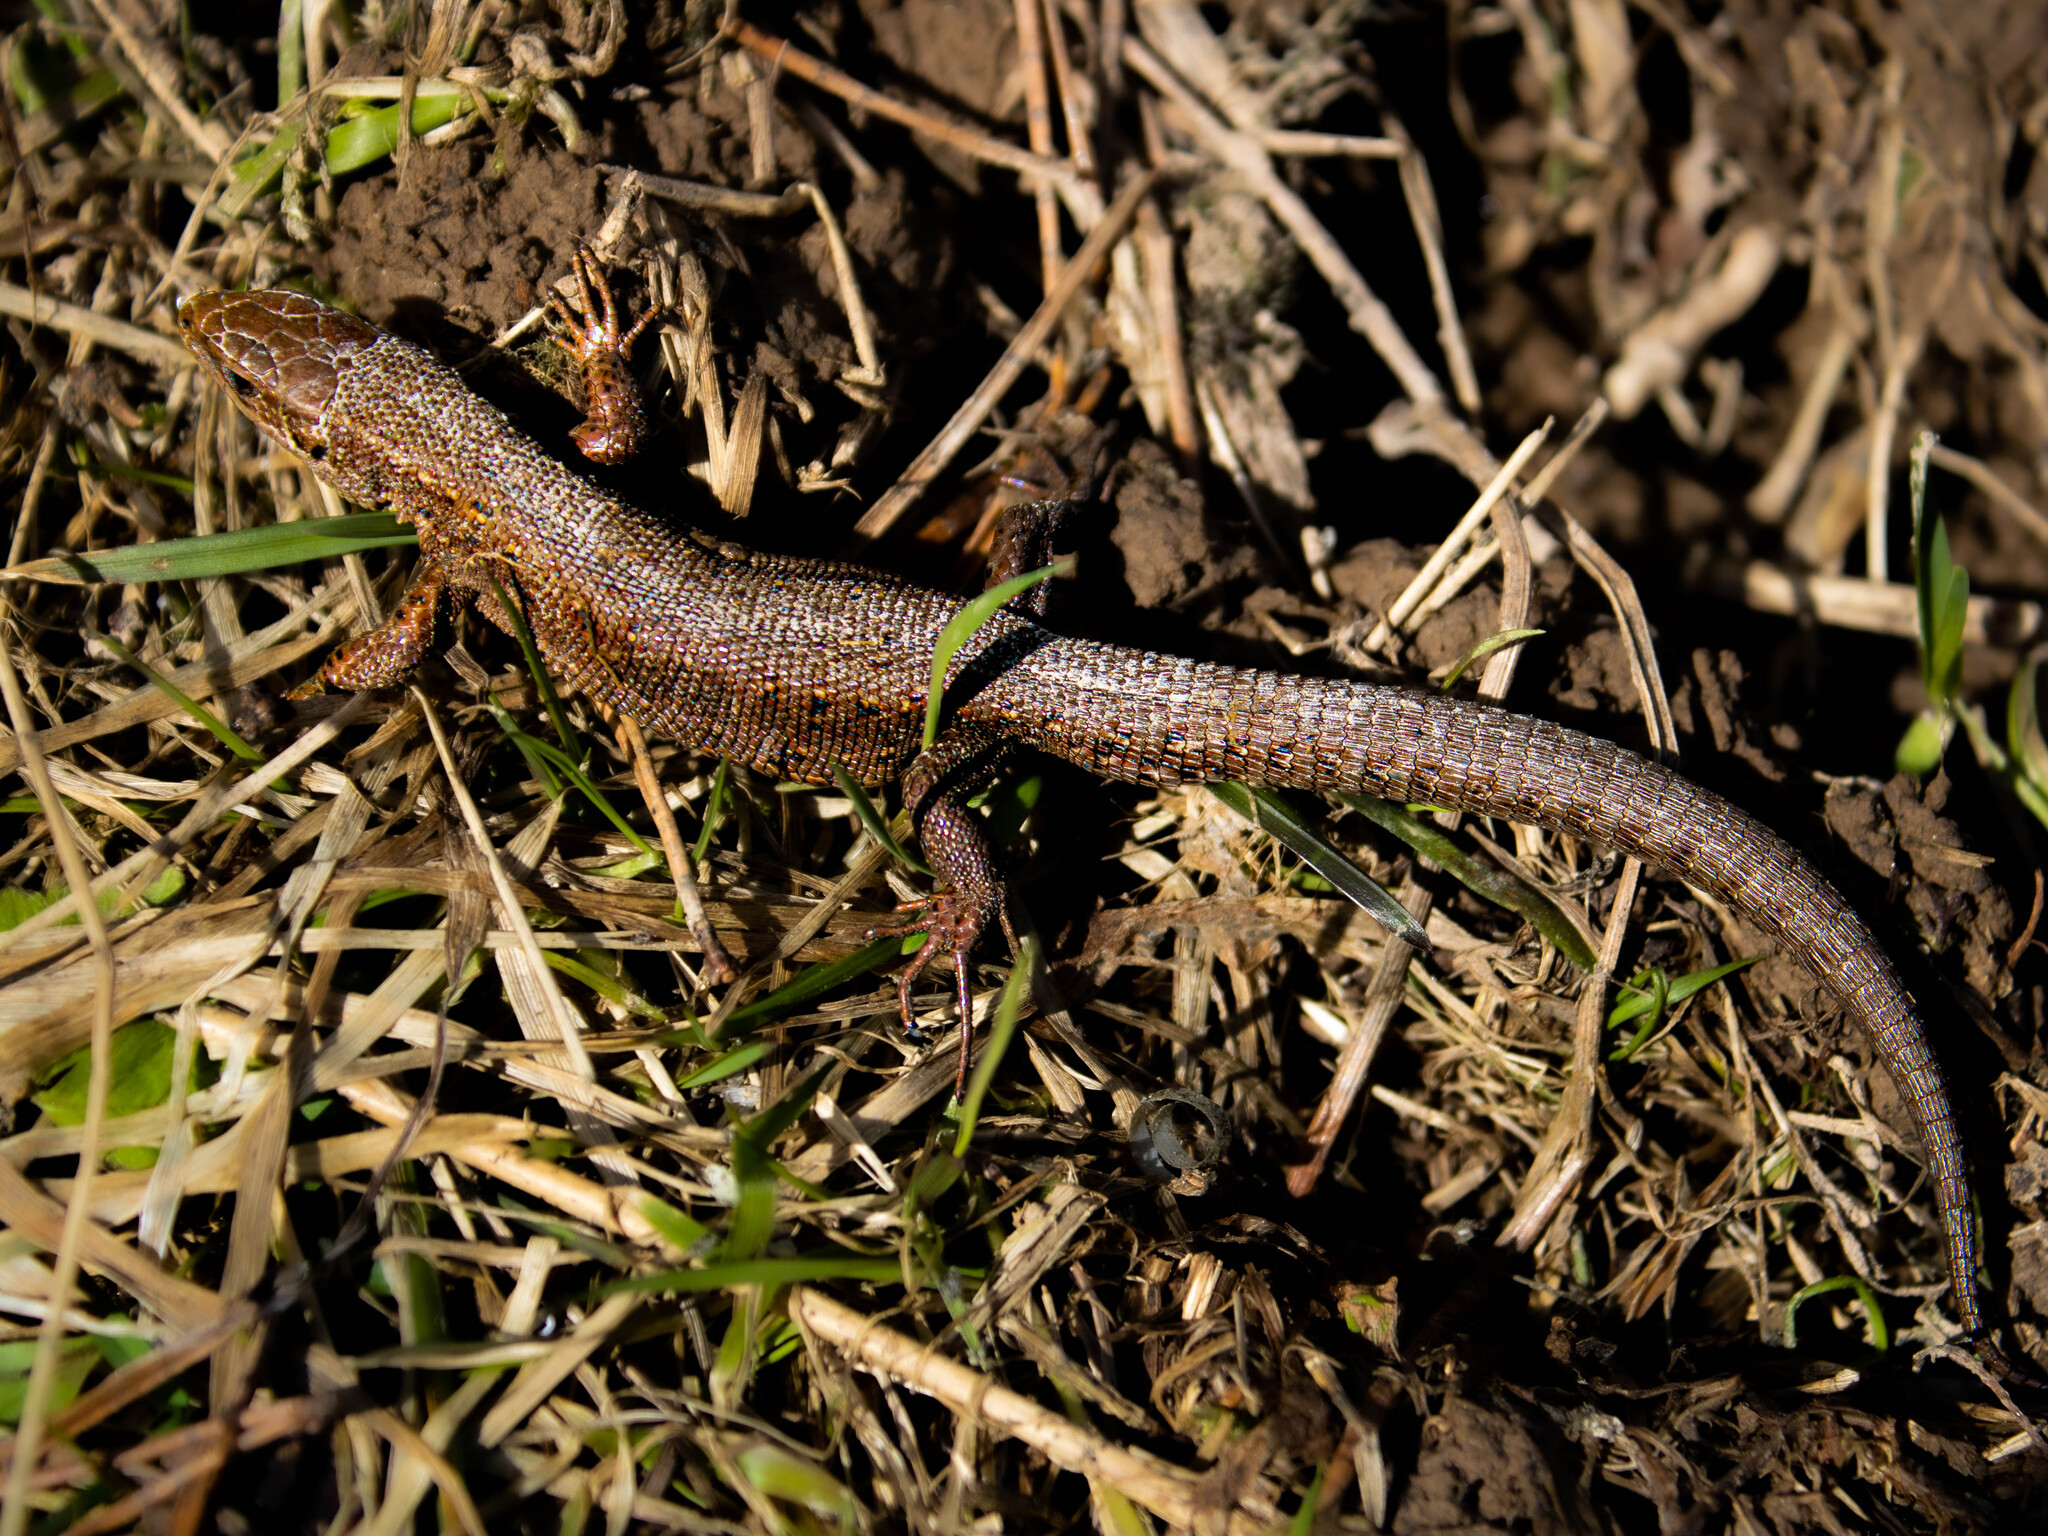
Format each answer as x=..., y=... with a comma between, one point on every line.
x=961, y=629
x=1272, y=814
x=714, y=810
x=138, y=1078
x=1941, y=590
x=1654, y=993
x=17, y=906
x=1880, y=1335
x=220, y=730
x=681, y=1229
x=782, y=1475
x=734, y=1061
x=809, y=983
x=872, y=819
x=537, y=669
x=999, y=1037
x=179, y=483
x=1486, y=648
x=1675, y=992
x=225, y=554
x=1921, y=747
x=1304, y=1521
x=75, y=1361
x=545, y=755
x=825, y=1264
x=1499, y=886
x=610, y=988
x=2023, y=737
x=365, y=139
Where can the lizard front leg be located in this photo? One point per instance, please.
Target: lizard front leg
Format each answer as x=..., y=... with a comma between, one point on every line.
x=955, y=840
x=381, y=657
x=615, y=423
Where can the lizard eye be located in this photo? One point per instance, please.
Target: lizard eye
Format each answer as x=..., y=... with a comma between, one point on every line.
x=242, y=387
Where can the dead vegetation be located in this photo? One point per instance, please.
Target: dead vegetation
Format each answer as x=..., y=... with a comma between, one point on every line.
x=652, y=1218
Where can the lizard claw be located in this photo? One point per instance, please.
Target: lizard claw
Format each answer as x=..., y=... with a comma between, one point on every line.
x=951, y=923
x=616, y=423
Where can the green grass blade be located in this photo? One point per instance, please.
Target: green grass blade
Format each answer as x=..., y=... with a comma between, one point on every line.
x=1271, y=814
x=714, y=811
x=810, y=983
x=222, y=732
x=1499, y=886
x=291, y=49
x=360, y=141
x=182, y=484
x=1678, y=991
x=537, y=668
x=999, y=1037
x=830, y=1264
x=1880, y=1335
x=1486, y=648
x=964, y=623
x=736, y=1060
x=1923, y=447
x=872, y=819
x=224, y=554
x=545, y=755
x=684, y=1230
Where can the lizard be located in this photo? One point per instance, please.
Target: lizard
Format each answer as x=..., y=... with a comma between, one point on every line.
x=794, y=666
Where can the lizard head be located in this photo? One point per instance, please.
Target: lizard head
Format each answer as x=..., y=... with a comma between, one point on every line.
x=280, y=354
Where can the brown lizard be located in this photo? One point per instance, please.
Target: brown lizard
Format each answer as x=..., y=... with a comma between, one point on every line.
x=794, y=666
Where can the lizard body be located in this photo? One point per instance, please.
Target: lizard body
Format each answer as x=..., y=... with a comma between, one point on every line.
x=792, y=666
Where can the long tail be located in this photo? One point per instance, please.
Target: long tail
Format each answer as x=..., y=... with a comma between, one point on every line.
x=1154, y=719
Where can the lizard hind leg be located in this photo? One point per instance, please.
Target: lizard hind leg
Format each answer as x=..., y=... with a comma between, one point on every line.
x=381, y=657
x=956, y=842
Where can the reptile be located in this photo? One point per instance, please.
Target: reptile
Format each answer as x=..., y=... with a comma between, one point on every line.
x=796, y=666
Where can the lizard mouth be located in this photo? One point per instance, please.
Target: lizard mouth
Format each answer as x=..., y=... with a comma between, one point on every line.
x=280, y=353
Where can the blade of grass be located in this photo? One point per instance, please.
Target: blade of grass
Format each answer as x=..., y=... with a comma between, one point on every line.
x=1880, y=1335
x=1271, y=814
x=961, y=629
x=736, y=1060
x=830, y=1264
x=1498, y=886
x=714, y=811
x=1676, y=992
x=538, y=669
x=537, y=751
x=222, y=732
x=1486, y=648
x=872, y=819
x=810, y=983
x=180, y=483
x=999, y=1036
x=1941, y=605
x=224, y=554
x=365, y=139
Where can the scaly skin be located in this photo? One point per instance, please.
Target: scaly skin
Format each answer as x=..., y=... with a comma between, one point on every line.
x=615, y=423
x=792, y=666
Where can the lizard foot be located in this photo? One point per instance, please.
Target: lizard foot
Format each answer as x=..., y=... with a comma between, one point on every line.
x=615, y=423
x=951, y=923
